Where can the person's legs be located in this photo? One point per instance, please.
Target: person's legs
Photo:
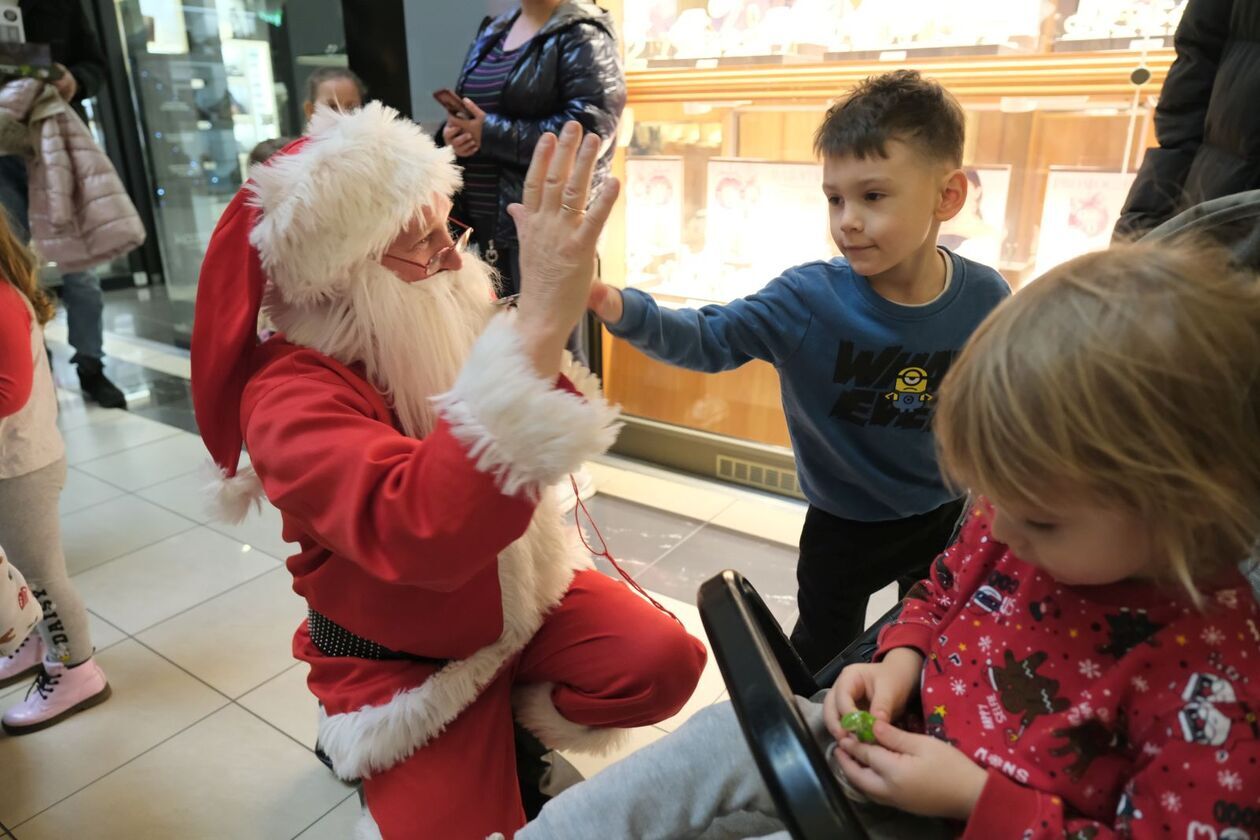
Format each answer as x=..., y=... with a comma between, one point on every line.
x=31, y=528
x=81, y=294
x=843, y=562
x=461, y=784
x=705, y=766
x=832, y=608
x=30, y=524
x=604, y=658
x=935, y=535
x=715, y=791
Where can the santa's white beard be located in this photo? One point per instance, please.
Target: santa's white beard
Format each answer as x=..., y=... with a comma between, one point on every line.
x=412, y=338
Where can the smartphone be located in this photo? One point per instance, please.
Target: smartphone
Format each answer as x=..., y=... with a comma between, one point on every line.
x=452, y=103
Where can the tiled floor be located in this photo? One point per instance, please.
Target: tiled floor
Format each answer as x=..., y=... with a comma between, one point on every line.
x=210, y=727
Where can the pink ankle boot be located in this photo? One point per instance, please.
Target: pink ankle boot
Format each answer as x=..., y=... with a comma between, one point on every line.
x=24, y=661
x=58, y=692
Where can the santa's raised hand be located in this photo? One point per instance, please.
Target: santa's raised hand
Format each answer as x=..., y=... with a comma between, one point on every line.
x=558, y=233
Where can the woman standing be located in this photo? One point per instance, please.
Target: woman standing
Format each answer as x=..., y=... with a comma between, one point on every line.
x=528, y=72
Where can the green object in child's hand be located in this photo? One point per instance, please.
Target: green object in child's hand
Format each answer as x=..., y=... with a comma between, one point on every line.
x=861, y=724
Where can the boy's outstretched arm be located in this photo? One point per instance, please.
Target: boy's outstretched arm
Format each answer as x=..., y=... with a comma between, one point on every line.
x=769, y=325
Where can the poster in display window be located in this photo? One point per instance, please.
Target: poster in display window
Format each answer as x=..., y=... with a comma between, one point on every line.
x=654, y=217
x=762, y=218
x=1079, y=213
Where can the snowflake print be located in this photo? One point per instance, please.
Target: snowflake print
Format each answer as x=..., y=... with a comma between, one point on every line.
x=1213, y=636
x=986, y=644
x=1229, y=780
x=1228, y=598
x=946, y=602
x=1089, y=669
x=1140, y=685
x=958, y=687
x=1150, y=749
x=1170, y=801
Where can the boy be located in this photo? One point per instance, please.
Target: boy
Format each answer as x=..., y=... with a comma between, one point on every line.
x=861, y=343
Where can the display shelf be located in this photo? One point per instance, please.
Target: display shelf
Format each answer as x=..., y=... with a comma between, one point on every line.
x=986, y=78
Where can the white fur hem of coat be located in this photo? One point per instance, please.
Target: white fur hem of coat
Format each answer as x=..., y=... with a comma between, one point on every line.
x=517, y=425
x=534, y=710
x=534, y=575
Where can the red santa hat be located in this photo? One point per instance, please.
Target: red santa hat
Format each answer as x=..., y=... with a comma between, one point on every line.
x=302, y=222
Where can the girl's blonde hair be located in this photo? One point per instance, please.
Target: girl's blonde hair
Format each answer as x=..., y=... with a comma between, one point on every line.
x=18, y=266
x=1128, y=378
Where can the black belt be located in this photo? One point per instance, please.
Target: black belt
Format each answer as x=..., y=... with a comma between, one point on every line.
x=331, y=639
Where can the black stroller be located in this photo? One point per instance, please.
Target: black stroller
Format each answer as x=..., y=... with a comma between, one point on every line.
x=763, y=672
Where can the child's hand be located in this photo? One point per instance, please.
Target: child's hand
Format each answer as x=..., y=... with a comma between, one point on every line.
x=605, y=302
x=916, y=773
x=882, y=688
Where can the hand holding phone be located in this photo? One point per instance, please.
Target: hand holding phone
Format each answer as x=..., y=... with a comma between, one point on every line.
x=454, y=106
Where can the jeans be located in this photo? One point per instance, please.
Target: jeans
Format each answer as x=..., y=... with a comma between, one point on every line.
x=80, y=290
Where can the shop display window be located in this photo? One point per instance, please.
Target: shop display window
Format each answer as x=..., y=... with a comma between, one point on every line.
x=723, y=192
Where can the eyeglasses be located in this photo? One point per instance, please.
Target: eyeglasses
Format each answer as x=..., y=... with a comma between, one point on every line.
x=460, y=234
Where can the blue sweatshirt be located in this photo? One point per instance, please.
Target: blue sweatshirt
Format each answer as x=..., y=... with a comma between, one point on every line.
x=857, y=373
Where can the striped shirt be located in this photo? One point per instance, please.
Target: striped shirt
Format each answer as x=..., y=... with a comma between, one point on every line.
x=484, y=86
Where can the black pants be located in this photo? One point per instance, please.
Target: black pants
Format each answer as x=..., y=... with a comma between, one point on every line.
x=843, y=562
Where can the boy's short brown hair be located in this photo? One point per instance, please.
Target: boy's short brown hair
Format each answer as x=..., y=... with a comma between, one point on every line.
x=901, y=105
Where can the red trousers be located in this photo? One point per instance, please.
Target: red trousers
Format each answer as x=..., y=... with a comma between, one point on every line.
x=616, y=661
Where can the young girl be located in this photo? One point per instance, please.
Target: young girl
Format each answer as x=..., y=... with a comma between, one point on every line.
x=1087, y=656
x=32, y=473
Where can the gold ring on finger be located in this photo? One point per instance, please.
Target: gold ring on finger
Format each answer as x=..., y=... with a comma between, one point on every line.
x=572, y=209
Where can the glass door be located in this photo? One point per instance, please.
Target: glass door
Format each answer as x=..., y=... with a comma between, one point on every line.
x=211, y=79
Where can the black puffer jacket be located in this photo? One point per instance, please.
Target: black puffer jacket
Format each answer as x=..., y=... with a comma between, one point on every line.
x=571, y=70
x=1208, y=117
x=63, y=25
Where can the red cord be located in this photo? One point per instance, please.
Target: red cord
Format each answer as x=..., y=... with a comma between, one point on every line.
x=606, y=554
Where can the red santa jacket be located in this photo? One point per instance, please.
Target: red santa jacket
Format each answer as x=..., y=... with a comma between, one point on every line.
x=430, y=546
x=388, y=526
x=1106, y=711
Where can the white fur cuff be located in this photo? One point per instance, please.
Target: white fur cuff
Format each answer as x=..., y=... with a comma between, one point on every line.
x=517, y=425
x=536, y=712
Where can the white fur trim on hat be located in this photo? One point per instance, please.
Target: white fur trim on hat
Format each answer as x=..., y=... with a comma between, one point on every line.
x=343, y=196
x=229, y=499
x=534, y=710
x=517, y=425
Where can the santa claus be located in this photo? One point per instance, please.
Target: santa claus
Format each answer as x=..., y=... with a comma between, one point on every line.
x=407, y=430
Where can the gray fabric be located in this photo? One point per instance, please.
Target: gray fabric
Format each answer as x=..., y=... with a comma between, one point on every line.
x=700, y=783
x=1232, y=221
x=30, y=530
